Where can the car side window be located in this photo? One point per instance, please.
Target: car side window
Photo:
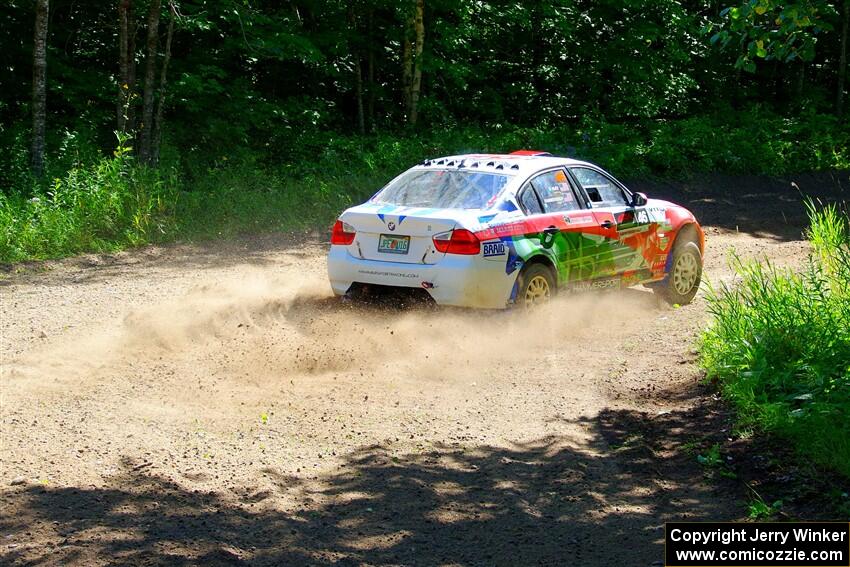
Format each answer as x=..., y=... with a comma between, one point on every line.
x=600, y=189
x=555, y=191
x=528, y=201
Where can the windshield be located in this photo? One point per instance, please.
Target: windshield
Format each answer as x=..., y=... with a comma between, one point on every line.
x=444, y=189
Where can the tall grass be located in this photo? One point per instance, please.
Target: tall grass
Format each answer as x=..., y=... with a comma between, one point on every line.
x=105, y=206
x=232, y=201
x=780, y=344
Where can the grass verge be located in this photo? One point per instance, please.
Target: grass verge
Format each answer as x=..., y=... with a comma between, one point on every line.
x=779, y=344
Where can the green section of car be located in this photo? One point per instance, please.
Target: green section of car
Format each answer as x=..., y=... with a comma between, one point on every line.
x=576, y=256
x=580, y=257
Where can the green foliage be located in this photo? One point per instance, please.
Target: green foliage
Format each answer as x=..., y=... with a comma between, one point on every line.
x=257, y=76
x=758, y=509
x=105, y=204
x=840, y=501
x=712, y=457
x=714, y=464
x=768, y=30
x=108, y=205
x=239, y=199
x=533, y=62
x=780, y=344
x=751, y=141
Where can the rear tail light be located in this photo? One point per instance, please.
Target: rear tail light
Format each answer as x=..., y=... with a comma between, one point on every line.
x=458, y=241
x=342, y=233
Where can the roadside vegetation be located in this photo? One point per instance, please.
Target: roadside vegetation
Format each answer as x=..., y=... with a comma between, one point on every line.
x=780, y=344
x=109, y=203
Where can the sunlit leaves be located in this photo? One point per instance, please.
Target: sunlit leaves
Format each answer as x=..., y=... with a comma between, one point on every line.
x=773, y=30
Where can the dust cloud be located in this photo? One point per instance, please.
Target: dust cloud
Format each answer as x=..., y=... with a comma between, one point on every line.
x=286, y=328
x=272, y=327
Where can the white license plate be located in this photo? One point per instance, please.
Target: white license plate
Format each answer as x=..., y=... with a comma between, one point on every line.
x=392, y=244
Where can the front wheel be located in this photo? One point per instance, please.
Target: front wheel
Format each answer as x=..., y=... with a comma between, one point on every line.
x=536, y=286
x=683, y=281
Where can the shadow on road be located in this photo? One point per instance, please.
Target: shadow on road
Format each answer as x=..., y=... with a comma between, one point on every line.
x=542, y=503
x=766, y=207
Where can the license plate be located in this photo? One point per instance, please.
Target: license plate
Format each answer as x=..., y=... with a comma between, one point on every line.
x=392, y=244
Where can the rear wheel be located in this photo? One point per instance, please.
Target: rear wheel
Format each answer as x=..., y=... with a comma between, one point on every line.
x=683, y=281
x=536, y=286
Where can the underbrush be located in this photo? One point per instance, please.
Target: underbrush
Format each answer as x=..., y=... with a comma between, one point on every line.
x=87, y=204
x=105, y=206
x=780, y=344
x=755, y=141
x=231, y=201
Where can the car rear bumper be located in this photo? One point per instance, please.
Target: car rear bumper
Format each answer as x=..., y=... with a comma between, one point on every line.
x=463, y=281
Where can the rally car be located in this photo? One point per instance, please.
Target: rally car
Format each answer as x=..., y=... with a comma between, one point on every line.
x=493, y=231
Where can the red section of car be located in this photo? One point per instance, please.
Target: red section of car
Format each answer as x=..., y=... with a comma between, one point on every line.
x=342, y=233
x=530, y=153
x=580, y=221
x=680, y=217
x=459, y=241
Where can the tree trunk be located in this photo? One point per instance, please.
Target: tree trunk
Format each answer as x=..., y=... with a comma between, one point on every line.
x=537, y=48
x=407, y=67
x=39, y=86
x=146, y=127
x=123, y=64
x=800, y=86
x=160, y=105
x=415, y=86
x=361, y=122
x=842, y=62
x=358, y=73
x=370, y=86
x=133, y=28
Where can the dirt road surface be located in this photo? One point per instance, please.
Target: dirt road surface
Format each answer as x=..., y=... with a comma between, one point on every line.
x=214, y=405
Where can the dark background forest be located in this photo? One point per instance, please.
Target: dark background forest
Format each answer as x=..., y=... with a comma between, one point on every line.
x=135, y=121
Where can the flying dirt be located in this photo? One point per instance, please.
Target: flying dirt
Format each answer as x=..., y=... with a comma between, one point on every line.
x=217, y=404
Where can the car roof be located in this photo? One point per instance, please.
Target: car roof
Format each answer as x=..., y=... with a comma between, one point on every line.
x=511, y=164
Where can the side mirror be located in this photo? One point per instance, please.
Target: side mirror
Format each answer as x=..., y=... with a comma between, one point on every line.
x=639, y=199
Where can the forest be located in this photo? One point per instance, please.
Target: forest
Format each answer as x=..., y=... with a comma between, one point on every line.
x=193, y=119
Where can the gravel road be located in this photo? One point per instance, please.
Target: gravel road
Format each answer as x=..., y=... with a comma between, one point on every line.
x=213, y=404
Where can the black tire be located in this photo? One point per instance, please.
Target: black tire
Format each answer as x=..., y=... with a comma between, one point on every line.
x=535, y=286
x=682, y=283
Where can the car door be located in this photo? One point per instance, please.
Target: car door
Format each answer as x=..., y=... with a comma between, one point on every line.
x=560, y=226
x=623, y=227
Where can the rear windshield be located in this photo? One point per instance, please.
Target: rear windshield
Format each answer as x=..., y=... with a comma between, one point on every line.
x=444, y=189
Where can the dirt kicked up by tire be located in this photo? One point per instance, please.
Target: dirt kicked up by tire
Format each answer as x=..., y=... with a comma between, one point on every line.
x=536, y=286
x=218, y=405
